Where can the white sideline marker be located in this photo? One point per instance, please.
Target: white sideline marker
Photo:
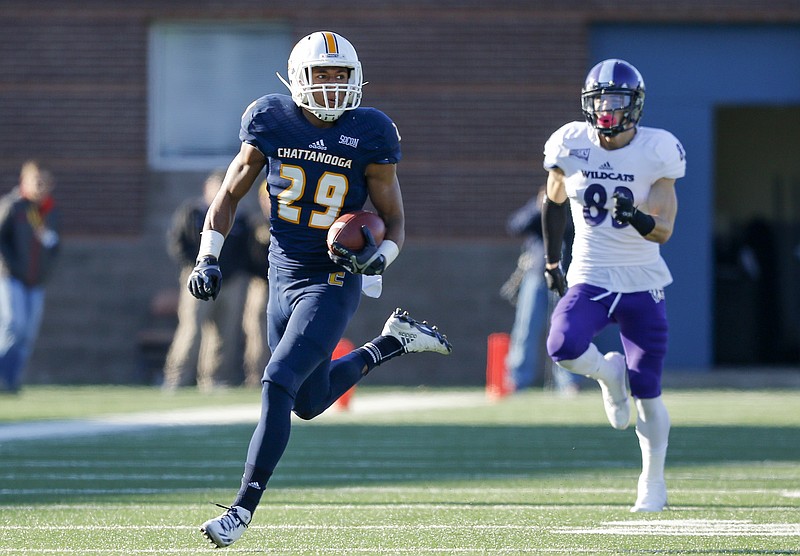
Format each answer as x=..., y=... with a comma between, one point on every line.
x=687, y=528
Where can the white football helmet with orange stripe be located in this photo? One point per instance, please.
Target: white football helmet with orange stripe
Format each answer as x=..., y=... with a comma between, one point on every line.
x=324, y=48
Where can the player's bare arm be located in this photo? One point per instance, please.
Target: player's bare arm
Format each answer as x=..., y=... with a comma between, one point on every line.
x=239, y=179
x=205, y=280
x=656, y=224
x=662, y=205
x=556, y=189
x=385, y=194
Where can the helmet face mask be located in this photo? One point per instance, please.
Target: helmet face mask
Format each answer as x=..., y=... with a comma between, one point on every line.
x=319, y=50
x=612, y=97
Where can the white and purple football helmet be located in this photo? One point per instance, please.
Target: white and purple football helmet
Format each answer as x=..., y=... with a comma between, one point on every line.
x=611, y=86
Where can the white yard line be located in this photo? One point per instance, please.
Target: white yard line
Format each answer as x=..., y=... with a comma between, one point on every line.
x=346, y=551
x=687, y=528
x=228, y=415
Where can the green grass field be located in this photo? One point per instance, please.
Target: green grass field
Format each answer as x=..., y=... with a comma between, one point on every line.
x=531, y=474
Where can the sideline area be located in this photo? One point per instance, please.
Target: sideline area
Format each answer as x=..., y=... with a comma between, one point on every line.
x=227, y=415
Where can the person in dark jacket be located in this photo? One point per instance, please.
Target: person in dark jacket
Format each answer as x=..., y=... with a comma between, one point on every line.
x=207, y=346
x=527, y=291
x=29, y=245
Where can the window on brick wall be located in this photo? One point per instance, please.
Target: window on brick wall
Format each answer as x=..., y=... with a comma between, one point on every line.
x=201, y=78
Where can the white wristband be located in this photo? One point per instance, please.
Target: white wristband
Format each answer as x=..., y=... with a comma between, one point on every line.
x=210, y=243
x=389, y=250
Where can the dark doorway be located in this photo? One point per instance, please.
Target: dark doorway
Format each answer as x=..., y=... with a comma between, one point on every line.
x=757, y=236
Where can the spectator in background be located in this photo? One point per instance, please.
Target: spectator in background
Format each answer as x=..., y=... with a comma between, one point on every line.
x=206, y=348
x=527, y=291
x=29, y=245
x=256, y=353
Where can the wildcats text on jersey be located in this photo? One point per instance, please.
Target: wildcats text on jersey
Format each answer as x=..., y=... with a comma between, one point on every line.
x=315, y=156
x=595, y=175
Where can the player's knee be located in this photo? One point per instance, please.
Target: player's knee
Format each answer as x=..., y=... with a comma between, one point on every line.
x=306, y=405
x=563, y=348
x=306, y=410
x=303, y=408
x=304, y=415
x=280, y=375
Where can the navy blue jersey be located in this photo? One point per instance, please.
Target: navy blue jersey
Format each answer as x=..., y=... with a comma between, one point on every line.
x=314, y=175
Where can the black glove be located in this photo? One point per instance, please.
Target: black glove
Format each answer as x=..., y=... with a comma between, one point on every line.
x=625, y=213
x=367, y=261
x=206, y=278
x=623, y=208
x=556, y=280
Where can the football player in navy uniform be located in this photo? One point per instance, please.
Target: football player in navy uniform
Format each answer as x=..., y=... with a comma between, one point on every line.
x=620, y=180
x=324, y=156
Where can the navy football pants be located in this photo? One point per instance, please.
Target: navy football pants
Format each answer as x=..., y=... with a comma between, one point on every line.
x=306, y=318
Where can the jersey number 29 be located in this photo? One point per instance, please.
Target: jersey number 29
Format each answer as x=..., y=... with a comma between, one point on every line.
x=330, y=193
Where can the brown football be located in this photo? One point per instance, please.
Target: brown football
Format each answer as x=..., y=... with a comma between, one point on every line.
x=346, y=230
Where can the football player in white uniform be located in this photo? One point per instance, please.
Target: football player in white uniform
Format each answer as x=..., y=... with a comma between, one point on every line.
x=620, y=180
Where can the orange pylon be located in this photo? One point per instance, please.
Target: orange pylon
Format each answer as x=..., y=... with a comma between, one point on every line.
x=497, y=383
x=344, y=347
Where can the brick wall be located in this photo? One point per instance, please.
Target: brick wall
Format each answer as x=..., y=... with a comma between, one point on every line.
x=475, y=88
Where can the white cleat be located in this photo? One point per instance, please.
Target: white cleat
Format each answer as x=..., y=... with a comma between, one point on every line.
x=415, y=336
x=615, y=392
x=652, y=497
x=226, y=529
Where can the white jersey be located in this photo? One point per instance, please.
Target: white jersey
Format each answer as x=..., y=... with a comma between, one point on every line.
x=606, y=254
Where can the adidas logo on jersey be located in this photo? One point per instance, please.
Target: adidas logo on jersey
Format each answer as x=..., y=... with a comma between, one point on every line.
x=319, y=145
x=606, y=166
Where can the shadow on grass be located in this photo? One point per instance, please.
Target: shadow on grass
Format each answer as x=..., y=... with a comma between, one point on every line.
x=352, y=455
x=401, y=453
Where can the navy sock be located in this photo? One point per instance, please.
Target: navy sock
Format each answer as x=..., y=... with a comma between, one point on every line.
x=380, y=350
x=266, y=445
x=254, y=481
